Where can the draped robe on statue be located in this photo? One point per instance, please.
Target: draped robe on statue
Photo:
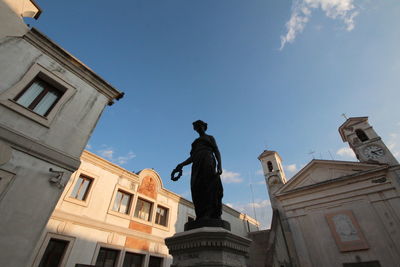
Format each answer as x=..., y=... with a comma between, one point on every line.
x=205, y=183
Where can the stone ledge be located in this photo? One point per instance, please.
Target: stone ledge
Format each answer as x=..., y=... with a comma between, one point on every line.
x=208, y=246
x=207, y=223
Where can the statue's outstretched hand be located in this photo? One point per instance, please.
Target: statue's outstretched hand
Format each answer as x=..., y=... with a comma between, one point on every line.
x=178, y=171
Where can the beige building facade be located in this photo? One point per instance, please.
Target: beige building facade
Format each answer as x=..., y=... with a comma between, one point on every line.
x=108, y=216
x=50, y=103
x=337, y=213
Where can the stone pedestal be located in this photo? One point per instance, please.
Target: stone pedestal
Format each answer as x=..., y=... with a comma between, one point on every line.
x=208, y=247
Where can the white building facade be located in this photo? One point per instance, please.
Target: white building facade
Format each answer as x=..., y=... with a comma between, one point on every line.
x=108, y=216
x=50, y=103
x=337, y=213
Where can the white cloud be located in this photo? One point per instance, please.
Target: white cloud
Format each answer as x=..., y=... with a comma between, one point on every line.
x=292, y=168
x=106, y=153
x=88, y=146
x=124, y=159
x=346, y=153
x=230, y=177
x=343, y=10
x=262, y=209
x=109, y=154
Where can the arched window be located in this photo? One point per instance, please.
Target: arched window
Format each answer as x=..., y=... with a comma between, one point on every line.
x=270, y=167
x=361, y=135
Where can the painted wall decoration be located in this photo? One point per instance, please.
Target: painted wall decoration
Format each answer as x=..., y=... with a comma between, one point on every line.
x=346, y=231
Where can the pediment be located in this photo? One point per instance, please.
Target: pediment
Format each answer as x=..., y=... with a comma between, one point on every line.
x=320, y=171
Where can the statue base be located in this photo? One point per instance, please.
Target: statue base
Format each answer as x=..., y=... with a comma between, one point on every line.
x=208, y=247
x=207, y=223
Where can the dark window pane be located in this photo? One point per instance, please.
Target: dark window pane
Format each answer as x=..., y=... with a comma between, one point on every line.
x=82, y=187
x=161, y=216
x=122, y=202
x=361, y=135
x=143, y=209
x=133, y=260
x=107, y=257
x=155, y=261
x=31, y=93
x=270, y=167
x=39, y=97
x=54, y=253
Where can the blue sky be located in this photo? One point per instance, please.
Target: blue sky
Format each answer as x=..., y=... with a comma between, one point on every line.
x=263, y=74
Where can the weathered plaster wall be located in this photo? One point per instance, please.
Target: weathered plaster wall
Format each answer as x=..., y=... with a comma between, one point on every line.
x=73, y=124
x=25, y=206
x=375, y=207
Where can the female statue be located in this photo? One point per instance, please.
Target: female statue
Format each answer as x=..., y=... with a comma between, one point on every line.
x=205, y=184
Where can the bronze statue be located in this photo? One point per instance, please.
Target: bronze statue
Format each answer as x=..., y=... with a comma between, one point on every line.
x=205, y=184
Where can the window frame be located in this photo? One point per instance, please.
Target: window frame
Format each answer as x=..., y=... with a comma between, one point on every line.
x=45, y=243
x=35, y=102
x=108, y=246
x=88, y=189
x=117, y=188
x=167, y=219
x=74, y=179
x=151, y=213
x=134, y=251
x=162, y=257
x=129, y=207
x=7, y=98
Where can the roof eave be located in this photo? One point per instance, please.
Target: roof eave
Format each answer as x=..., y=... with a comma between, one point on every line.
x=42, y=42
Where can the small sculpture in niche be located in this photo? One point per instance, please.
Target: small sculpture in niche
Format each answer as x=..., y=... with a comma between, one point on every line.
x=205, y=184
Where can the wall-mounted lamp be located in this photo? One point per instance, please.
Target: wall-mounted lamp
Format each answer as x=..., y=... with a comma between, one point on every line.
x=57, y=180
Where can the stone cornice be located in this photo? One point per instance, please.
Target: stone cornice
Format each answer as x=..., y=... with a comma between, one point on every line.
x=333, y=182
x=111, y=167
x=39, y=150
x=43, y=43
x=208, y=237
x=107, y=165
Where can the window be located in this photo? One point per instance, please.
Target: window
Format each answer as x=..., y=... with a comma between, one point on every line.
x=122, y=202
x=143, y=209
x=161, y=216
x=361, y=135
x=54, y=253
x=155, y=261
x=270, y=167
x=107, y=258
x=39, y=96
x=82, y=188
x=133, y=260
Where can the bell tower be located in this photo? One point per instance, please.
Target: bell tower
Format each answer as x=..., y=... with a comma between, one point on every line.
x=273, y=172
x=365, y=142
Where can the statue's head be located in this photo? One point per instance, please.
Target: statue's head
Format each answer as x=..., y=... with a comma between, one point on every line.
x=198, y=124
